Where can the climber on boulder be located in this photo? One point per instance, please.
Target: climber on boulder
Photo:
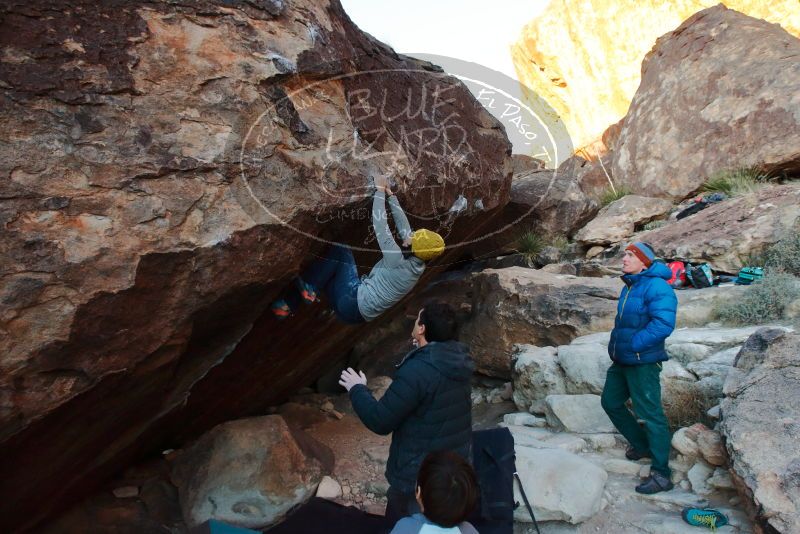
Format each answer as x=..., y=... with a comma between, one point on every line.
x=357, y=300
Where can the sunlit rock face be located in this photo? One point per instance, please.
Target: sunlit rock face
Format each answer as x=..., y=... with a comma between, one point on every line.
x=166, y=168
x=584, y=57
x=718, y=94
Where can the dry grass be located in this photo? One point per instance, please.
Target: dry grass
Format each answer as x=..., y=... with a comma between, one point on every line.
x=685, y=404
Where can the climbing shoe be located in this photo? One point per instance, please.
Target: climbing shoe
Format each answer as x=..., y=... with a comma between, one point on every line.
x=633, y=454
x=704, y=517
x=307, y=291
x=280, y=309
x=655, y=483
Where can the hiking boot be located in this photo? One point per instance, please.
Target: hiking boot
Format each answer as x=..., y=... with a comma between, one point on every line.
x=655, y=483
x=280, y=309
x=634, y=455
x=704, y=517
x=307, y=291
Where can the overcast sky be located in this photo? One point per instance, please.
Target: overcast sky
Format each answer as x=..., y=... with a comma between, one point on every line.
x=476, y=31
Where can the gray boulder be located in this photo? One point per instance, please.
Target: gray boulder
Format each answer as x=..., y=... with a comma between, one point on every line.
x=760, y=425
x=536, y=375
x=560, y=486
x=618, y=220
x=248, y=473
x=584, y=366
x=727, y=232
x=582, y=414
x=518, y=305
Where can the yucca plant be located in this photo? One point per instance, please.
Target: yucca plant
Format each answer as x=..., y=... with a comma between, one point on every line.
x=610, y=194
x=529, y=244
x=736, y=182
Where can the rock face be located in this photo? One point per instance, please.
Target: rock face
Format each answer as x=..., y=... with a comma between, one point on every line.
x=247, y=473
x=549, y=202
x=568, y=53
x=585, y=366
x=168, y=168
x=720, y=82
x=761, y=437
x=577, y=413
x=725, y=233
x=561, y=486
x=619, y=219
x=536, y=374
x=564, y=382
x=518, y=305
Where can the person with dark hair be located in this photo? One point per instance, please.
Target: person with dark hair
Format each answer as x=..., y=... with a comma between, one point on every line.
x=438, y=321
x=426, y=408
x=447, y=491
x=645, y=318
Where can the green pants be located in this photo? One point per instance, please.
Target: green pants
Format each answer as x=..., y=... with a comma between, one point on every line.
x=640, y=383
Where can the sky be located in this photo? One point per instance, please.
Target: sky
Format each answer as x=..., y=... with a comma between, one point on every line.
x=472, y=30
x=480, y=32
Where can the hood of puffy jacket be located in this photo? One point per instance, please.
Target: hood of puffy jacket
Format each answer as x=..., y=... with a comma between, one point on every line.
x=657, y=270
x=451, y=358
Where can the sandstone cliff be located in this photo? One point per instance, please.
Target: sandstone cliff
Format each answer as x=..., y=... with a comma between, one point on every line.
x=584, y=56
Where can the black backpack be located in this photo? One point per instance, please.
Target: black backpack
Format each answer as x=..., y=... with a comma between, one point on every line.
x=493, y=459
x=700, y=276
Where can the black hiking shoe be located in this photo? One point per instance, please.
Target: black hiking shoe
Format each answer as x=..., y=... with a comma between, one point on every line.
x=634, y=455
x=655, y=483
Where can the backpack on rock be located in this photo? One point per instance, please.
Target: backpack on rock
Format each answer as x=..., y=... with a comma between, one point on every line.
x=700, y=276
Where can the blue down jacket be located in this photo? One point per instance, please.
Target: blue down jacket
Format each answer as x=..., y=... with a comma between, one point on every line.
x=427, y=408
x=645, y=317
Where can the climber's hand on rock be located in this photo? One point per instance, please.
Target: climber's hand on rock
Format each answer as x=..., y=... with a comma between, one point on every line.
x=382, y=183
x=350, y=378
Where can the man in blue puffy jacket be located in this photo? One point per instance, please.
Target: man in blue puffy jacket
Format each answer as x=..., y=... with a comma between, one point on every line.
x=645, y=318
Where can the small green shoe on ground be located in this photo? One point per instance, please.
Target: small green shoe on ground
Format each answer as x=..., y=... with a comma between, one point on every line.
x=704, y=517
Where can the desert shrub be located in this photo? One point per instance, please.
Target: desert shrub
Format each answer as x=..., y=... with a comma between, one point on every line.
x=784, y=256
x=530, y=243
x=610, y=194
x=652, y=225
x=560, y=242
x=736, y=182
x=764, y=300
x=686, y=403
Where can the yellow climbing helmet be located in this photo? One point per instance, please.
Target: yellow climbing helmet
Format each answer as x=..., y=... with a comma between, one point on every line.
x=426, y=245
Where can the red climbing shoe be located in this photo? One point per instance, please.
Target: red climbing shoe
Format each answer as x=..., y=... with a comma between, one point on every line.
x=307, y=291
x=280, y=309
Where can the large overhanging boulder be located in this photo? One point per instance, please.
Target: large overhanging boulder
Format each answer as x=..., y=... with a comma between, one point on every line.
x=717, y=94
x=168, y=167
